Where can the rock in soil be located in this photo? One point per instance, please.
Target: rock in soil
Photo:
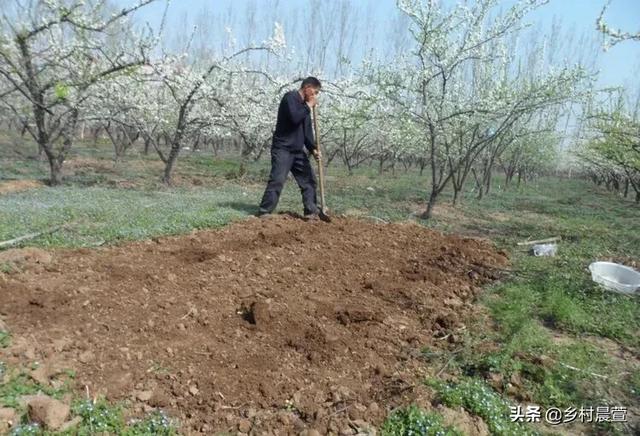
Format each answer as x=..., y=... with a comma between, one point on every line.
x=462, y=420
x=48, y=412
x=144, y=395
x=244, y=426
x=8, y=419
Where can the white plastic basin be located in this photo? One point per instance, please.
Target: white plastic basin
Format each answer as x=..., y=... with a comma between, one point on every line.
x=615, y=277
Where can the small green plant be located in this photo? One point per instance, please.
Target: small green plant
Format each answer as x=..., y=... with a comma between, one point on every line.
x=5, y=339
x=157, y=423
x=427, y=354
x=412, y=420
x=479, y=399
x=98, y=417
x=158, y=368
x=289, y=406
x=21, y=384
x=102, y=417
x=29, y=429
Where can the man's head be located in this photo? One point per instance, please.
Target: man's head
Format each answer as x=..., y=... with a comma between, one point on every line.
x=310, y=87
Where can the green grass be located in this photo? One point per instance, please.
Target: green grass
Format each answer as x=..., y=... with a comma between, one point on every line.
x=5, y=339
x=103, y=418
x=19, y=384
x=96, y=418
x=479, y=399
x=558, y=290
x=98, y=215
x=414, y=421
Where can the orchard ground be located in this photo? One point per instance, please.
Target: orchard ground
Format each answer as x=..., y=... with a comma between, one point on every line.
x=537, y=331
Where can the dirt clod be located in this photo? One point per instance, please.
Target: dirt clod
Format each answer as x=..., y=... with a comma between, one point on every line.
x=244, y=426
x=71, y=424
x=48, y=412
x=25, y=258
x=86, y=357
x=8, y=418
x=144, y=395
x=40, y=374
x=277, y=313
x=462, y=420
x=257, y=313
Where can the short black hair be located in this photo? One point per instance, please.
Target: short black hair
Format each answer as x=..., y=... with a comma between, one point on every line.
x=311, y=81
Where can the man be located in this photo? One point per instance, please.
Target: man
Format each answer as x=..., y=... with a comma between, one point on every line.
x=293, y=132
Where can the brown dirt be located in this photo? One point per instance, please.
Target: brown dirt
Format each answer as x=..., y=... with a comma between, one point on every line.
x=623, y=260
x=449, y=213
x=84, y=164
x=18, y=185
x=28, y=257
x=263, y=325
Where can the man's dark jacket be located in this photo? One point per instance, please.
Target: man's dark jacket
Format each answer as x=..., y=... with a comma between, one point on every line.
x=293, y=127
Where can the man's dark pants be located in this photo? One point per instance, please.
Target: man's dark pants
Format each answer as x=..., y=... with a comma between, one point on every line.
x=283, y=161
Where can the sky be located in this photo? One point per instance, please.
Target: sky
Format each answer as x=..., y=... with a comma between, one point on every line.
x=618, y=66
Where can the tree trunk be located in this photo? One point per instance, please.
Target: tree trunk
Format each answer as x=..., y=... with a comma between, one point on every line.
x=259, y=153
x=345, y=155
x=147, y=144
x=508, y=176
x=427, y=214
x=626, y=187
x=479, y=184
x=216, y=146
x=489, y=177
x=56, y=159
x=55, y=166
x=96, y=135
x=171, y=160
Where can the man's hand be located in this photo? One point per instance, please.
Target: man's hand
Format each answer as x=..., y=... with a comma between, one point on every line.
x=310, y=96
x=311, y=100
x=316, y=153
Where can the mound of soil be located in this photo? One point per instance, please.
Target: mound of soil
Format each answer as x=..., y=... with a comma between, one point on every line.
x=263, y=325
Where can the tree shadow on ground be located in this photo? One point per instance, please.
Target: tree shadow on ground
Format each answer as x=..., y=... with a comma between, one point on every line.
x=248, y=208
